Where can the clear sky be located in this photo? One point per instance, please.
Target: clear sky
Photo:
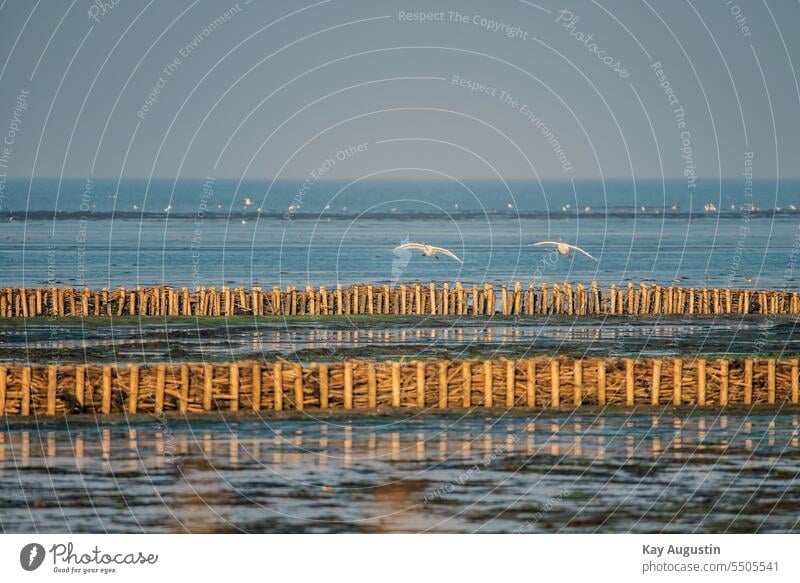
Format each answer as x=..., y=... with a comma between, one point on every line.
x=349, y=89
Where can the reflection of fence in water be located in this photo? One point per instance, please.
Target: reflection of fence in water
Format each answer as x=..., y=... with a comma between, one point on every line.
x=411, y=299
x=540, y=382
x=677, y=438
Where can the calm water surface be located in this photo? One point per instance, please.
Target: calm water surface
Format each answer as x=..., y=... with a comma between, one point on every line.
x=156, y=340
x=648, y=230
x=564, y=473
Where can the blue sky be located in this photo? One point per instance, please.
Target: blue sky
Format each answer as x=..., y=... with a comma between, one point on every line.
x=351, y=89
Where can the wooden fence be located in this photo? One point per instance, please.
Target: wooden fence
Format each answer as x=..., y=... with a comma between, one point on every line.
x=540, y=382
x=413, y=299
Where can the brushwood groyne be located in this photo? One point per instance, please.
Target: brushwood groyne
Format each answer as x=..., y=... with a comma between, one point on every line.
x=541, y=382
x=401, y=300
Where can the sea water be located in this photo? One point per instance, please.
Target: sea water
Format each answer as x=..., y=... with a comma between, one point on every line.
x=182, y=233
x=603, y=472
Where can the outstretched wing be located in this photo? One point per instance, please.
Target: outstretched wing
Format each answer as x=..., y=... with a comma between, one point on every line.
x=579, y=250
x=544, y=243
x=419, y=246
x=447, y=252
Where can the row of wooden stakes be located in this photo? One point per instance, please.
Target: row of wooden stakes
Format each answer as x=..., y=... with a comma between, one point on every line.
x=404, y=299
x=540, y=382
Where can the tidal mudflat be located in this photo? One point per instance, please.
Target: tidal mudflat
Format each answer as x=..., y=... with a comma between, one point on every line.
x=127, y=339
x=603, y=471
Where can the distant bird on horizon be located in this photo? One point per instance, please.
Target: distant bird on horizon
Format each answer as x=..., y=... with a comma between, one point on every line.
x=563, y=248
x=428, y=250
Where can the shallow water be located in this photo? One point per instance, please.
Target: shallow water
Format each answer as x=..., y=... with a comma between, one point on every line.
x=243, y=338
x=548, y=473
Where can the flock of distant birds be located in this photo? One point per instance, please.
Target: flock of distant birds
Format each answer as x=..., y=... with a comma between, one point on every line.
x=433, y=251
x=709, y=207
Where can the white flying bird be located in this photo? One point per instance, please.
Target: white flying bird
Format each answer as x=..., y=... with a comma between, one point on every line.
x=563, y=248
x=429, y=250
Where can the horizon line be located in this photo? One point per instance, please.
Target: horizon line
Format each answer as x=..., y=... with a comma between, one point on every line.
x=407, y=179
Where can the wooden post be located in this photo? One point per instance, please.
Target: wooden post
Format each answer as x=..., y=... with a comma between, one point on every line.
x=277, y=375
x=629, y=382
x=276, y=301
x=531, y=383
x=569, y=299
x=234, y=380
x=443, y=384
x=466, y=373
x=396, y=383
x=3, y=389
x=657, y=300
x=655, y=397
x=299, y=397
x=577, y=375
x=25, y=406
x=420, y=383
x=323, y=386
x=208, y=387
x=372, y=386
x=630, y=298
x=701, y=382
x=771, y=381
x=311, y=294
x=51, y=389
x=183, y=403
x=133, y=388
x=105, y=406
x=80, y=384
x=795, y=381
x=488, y=400
x=161, y=378
x=613, y=298
x=370, y=299
x=724, y=367
x=348, y=384
x=677, y=374
x=555, y=384
x=323, y=300
x=748, y=381
x=511, y=382
x=529, y=300
x=601, y=382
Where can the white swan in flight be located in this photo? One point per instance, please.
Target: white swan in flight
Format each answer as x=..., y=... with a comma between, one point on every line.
x=563, y=248
x=429, y=250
